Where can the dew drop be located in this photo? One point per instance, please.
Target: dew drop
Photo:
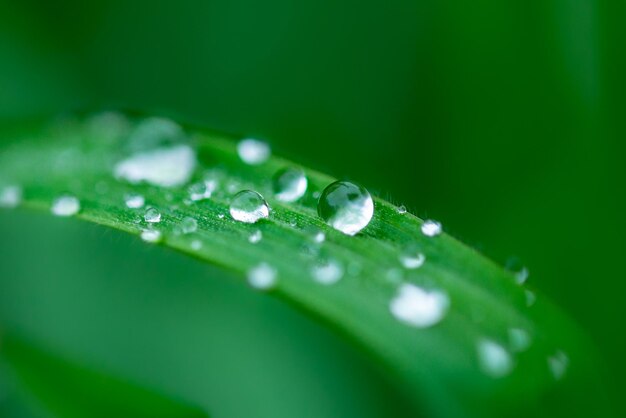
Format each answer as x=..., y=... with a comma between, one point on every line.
x=289, y=184
x=401, y=209
x=327, y=272
x=188, y=225
x=262, y=276
x=431, y=228
x=196, y=245
x=319, y=237
x=419, y=307
x=65, y=206
x=412, y=259
x=248, y=206
x=134, y=201
x=346, y=207
x=558, y=364
x=519, y=271
x=164, y=167
x=519, y=339
x=495, y=361
x=152, y=216
x=252, y=151
x=10, y=196
x=202, y=190
x=155, y=132
x=255, y=237
x=151, y=235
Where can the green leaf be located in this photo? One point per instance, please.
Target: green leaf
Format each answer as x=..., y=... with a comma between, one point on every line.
x=73, y=391
x=471, y=362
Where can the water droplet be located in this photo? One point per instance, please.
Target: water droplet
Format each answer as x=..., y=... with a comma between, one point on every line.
x=151, y=235
x=188, y=225
x=412, y=259
x=319, y=237
x=402, y=209
x=494, y=359
x=252, y=151
x=530, y=297
x=196, y=245
x=220, y=216
x=10, y=196
x=289, y=184
x=346, y=207
x=419, y=307
x=327, y=272
x=431, y=228
x=134, y=201
x=248, y=206
x=519, y=339
x=519, y=271
x=202, y=190
x=262, y=276
x=255, y=237
x=558, y=364
x=152, y=216
x=155, y=132
x=65, y=206
x=164, y=167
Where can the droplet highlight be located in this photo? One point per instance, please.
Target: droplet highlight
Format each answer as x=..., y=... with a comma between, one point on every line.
x=289, y=184
x=134, y=201
x=252, y=151
x=412, y=259
x=65, y=206
x=262, y=276
x=327, y=272
x=431, y=228
x=345, y=206
x=249, y=207
x=495, y=361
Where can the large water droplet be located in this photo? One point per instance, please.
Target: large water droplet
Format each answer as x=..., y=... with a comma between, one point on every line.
x=558, y=364
x=346, y=207
x=431, y=228
x=65, y=206
x=494, y=359
x=249, y=206
x=412, y=259
x=289, y=184
x=262, y=276
x=252, y=151
x=327, y=272
x=519, y=339
x=134, y=201
x=10, y=196
x=165, y=167
x=519, y=270
x=151, y=235
x=152, y=216
x=419, y=307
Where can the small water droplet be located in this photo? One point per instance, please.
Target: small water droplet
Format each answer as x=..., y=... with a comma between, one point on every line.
x=248, y=206
x=134, y=201
x=164, y=167
x=151, y=235
x=327, y=272
x=494, y=359
x=402, y=209
x=293, y=223
x=319, y=237
x=252, y=151
x=412, y=259
x=431, y=228
x=419, y=307
x=289, y=184
x=10, y=196
x=558, y=364
x=65, y=206
x=152, y=216
x=262, y=276
x=519, y=271
x=202, y=190
x=519, y=339
x=196, y=245
x=255, y=237
x=188, y=225
x=530, y=297
x=346, y=207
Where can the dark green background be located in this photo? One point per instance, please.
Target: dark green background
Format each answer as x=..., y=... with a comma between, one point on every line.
x=503, y=119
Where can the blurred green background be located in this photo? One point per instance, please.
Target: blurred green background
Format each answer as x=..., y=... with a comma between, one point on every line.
x=503, y=119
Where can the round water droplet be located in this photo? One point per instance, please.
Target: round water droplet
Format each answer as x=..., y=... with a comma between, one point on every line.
x=252, y=151
x=558, y=364
x=151, y=235
x=519, y=271
x=431, y=228
x=134, y=201
x=248, y=206
x=412, y=259
x=519, y=339
x=401, y=209
x=188, y=225
x=10, y=196
x=346, y=207
x=255, y=237
x=262, y=277
x=327, y=272
x=65, y=206
x=494, y=359
x=289, y=184
x=152, y=216
x=419, y=307
x=202, y=190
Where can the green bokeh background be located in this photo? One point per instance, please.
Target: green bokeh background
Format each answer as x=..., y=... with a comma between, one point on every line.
x=503, y=119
